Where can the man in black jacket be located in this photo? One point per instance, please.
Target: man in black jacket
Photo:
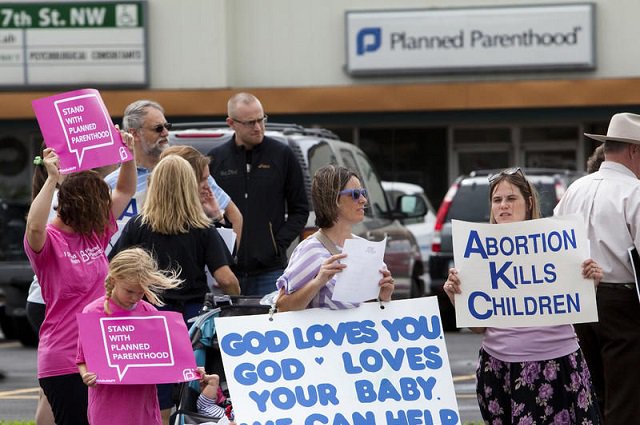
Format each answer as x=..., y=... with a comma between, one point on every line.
x=264, y=179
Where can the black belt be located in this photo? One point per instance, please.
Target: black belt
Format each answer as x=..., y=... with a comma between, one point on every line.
x=631, y=286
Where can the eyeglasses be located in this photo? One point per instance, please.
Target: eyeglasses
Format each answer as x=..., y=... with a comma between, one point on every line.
x=252, y=123
x=355, y=193
x=507, y=172
x=161, y=127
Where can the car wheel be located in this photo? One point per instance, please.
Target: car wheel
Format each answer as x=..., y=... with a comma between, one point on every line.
x=447, y=314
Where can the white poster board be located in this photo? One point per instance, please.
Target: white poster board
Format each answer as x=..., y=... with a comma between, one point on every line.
x=523, y=274
x=364, y=365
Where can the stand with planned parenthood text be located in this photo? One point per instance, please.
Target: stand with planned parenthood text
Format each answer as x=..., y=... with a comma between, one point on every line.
x=148, y=348
x=78, y=126
x=523, y=274
x=377, y=364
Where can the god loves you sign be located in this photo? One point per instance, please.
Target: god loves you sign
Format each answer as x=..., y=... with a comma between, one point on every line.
x=149, y=348
x=364, y=366
x=77, y=125
x=523, y=274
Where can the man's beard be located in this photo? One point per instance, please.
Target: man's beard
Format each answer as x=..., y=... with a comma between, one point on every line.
x=156, y=149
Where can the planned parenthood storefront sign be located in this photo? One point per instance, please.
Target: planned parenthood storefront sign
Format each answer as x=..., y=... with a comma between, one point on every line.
x=523, y=274
x=364, y=365
x=560, y=37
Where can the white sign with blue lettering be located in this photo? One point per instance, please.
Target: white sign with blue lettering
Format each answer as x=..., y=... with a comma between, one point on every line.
x=364, y=366
x=471, y=39
x=520, y=274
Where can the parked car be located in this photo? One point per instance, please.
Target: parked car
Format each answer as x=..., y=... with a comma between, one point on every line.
x=420, y=227
x=315, y=148
x=468, y=199
x=15, y=273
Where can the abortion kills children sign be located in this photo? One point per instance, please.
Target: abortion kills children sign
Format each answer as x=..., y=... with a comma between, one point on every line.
x=523, y=274
x=364, y=366
x=149, y=348
x=77, y=125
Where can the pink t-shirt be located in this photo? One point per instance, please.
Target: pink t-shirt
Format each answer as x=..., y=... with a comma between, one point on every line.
x=530, y=344
x=71, y=269
x=121, y=404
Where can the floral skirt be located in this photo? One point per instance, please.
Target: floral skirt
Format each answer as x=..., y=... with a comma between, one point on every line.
x=556, y=391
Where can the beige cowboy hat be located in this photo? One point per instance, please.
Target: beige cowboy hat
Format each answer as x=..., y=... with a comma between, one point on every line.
x=623, y=127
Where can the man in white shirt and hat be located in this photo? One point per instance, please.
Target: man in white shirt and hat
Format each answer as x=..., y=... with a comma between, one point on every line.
x=609, y=201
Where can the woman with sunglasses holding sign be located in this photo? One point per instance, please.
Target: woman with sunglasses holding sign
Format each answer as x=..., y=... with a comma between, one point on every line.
x=339, y=202
x=532, y=375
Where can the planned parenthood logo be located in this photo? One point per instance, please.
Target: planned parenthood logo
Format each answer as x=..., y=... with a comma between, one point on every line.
x=368, y=40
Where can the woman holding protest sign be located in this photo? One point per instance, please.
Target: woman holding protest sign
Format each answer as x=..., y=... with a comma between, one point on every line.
x=529, y=374
x=68, y=258
x=133, y=274
x=339, y=202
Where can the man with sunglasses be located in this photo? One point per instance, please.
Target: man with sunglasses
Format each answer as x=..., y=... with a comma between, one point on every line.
x=264, y=178
x=609, y=202
x=145, y=120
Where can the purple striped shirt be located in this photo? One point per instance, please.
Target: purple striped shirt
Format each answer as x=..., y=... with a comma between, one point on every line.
x=303, y=266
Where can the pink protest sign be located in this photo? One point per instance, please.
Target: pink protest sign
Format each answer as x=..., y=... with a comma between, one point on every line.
x=148, y=348
x=77, y=125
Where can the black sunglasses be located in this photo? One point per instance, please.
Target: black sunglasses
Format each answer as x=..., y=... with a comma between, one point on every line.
x=160, y=127
x=355, y=193
x=507, y=172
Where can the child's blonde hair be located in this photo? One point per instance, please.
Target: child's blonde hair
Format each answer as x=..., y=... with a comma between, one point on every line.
x=138, y=266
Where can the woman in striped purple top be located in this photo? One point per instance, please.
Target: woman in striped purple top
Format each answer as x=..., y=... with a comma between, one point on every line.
x=339, y=202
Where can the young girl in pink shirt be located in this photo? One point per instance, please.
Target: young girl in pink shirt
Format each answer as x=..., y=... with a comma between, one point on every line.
x=133, y=274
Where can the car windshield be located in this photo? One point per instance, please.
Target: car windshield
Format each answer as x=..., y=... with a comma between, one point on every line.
x=471, y=202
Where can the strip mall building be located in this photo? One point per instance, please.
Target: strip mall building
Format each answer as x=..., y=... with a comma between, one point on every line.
x=428, y=89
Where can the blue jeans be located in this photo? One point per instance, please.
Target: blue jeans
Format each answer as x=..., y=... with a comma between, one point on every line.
x=260, y=284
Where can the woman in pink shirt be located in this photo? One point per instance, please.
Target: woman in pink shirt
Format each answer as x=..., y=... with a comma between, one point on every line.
x=67, y=255
x=530, y=375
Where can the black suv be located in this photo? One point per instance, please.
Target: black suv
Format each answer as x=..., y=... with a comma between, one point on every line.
x=315, y=148
x=468, y=200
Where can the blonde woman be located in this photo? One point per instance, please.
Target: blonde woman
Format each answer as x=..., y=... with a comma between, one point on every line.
x=175, y=229
x=200, y=165
x=133, y=274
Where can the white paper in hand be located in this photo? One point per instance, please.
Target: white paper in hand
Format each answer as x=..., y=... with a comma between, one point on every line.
x=228, y=236
x=359, y=281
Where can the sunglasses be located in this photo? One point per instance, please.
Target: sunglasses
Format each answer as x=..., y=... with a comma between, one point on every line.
x=507, y=172
x=252, y=123
x=355, y=193
x=161, y=127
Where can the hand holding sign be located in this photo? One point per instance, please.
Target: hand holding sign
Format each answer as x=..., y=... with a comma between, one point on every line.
x=51, y=163
x=78, y=126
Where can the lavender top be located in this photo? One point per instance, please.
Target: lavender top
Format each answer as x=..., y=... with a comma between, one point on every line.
x=303, y=266
x=530, y=344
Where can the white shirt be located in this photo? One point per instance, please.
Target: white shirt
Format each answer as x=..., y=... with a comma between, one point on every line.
x=609, y=201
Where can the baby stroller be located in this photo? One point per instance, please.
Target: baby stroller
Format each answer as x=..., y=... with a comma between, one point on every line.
x=207, y=352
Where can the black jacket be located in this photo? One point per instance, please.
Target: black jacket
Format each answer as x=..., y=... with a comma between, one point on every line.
x=271, y=189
